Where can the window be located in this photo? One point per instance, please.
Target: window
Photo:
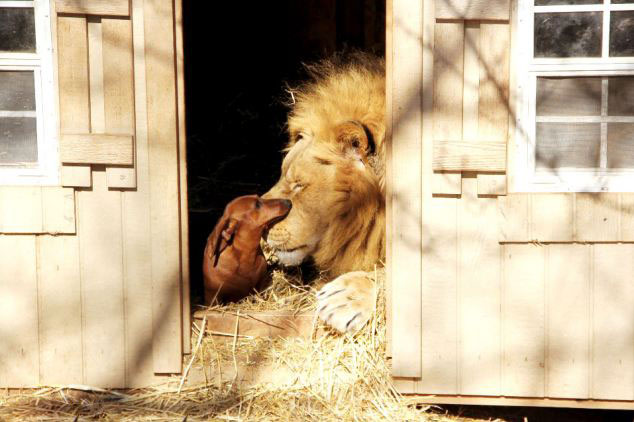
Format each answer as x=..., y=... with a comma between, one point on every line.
x=575, y=108
x=28, y=130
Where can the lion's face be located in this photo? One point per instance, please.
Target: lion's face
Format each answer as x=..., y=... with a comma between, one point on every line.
x=327, y=177
x=307, y=178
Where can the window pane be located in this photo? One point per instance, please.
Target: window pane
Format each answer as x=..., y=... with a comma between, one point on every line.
x=622, y=34
x=621, y=145
x=18, y=140
x=621, y=96
x=573, y=145
x=621, y=1
x=555, y=2
x=17, y=91
x=568, y=96
x=568, y=34
x=17, y=30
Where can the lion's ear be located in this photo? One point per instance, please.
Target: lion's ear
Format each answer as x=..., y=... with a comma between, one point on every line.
x=355, y=139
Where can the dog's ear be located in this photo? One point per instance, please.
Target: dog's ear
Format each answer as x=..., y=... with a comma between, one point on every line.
x=355, y=139
x=222, y=236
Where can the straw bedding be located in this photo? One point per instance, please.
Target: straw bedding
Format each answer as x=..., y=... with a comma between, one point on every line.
x=326, y=377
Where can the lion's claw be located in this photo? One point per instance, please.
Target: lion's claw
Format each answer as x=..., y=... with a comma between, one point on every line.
x=347, y=302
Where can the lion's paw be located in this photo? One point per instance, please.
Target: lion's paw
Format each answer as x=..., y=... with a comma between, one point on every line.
x=347, y=302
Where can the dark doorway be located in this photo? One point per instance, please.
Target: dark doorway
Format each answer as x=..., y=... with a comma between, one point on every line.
x=239, y=57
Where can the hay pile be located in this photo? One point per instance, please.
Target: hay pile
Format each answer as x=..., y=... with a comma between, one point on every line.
x=323, y=378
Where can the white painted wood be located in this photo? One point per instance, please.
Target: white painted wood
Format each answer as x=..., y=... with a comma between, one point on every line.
x=20, y=210
x=612, y=328
x=101, y=260
x=472, y=9
x=523, y=315
x=59, y=311
x=407, y=179
x=19, y=349
x=58, y=210
x=569, y=321
x=491, y=184
x=447, y=183
x=479, y=300
x=440, y=346
x=137, y=263
x=162, y=128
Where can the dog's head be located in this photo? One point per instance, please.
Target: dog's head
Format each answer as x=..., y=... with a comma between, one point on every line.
x=252, y=216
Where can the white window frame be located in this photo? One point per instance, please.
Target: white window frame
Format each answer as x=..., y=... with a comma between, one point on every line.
x=527, y=178
x=46, y=170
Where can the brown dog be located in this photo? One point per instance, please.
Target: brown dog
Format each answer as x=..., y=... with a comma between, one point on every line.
x=233, y=263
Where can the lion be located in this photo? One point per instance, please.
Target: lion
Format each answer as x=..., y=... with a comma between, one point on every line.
x=334, y=174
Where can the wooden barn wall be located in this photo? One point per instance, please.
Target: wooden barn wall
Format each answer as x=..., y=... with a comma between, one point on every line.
x=90, y=282
x=504, y=311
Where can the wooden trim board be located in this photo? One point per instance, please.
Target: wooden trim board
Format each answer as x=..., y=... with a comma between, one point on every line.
x=473, y=9
x=469, y=156
x=160, y=73
x=519, y=401
x=261, y=324
x=94, y=7
x=91, y=148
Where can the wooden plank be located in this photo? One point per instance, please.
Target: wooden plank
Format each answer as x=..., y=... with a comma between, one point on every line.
x=451, y=155
x=627, y=217
x=514, y=213
x=518, y=401
x=472, y=9
x=73, y=80
x=568, y=299
x=491, y=184
x=514, y=52
x=121, y=177
x=261, y=324
x=182, y=167
x=137, y=248
x=428, y=359
x=448, y=82
x=58, y=210
x=523, y=324
x=389, y=203
x=439, y=299
x=447, y=183
x=552, y=217
x=407, y=179
x=479, y=299
x=19, y=351
x=494, y=81
x=101, y=258
x=470, y=96
x=95, y=75
x=60, y=312
x=94, y=7
x=76, y=176
x=597, y=217
x=612, y=328
x=92, y=148
x=20, y=209
x=118, y=91
x=164, y=199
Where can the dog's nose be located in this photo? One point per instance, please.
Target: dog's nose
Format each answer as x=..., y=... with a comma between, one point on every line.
x=287, y=203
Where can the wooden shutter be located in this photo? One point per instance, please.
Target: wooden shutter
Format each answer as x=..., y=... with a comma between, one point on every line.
x=470, y=94
x=96, y=91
